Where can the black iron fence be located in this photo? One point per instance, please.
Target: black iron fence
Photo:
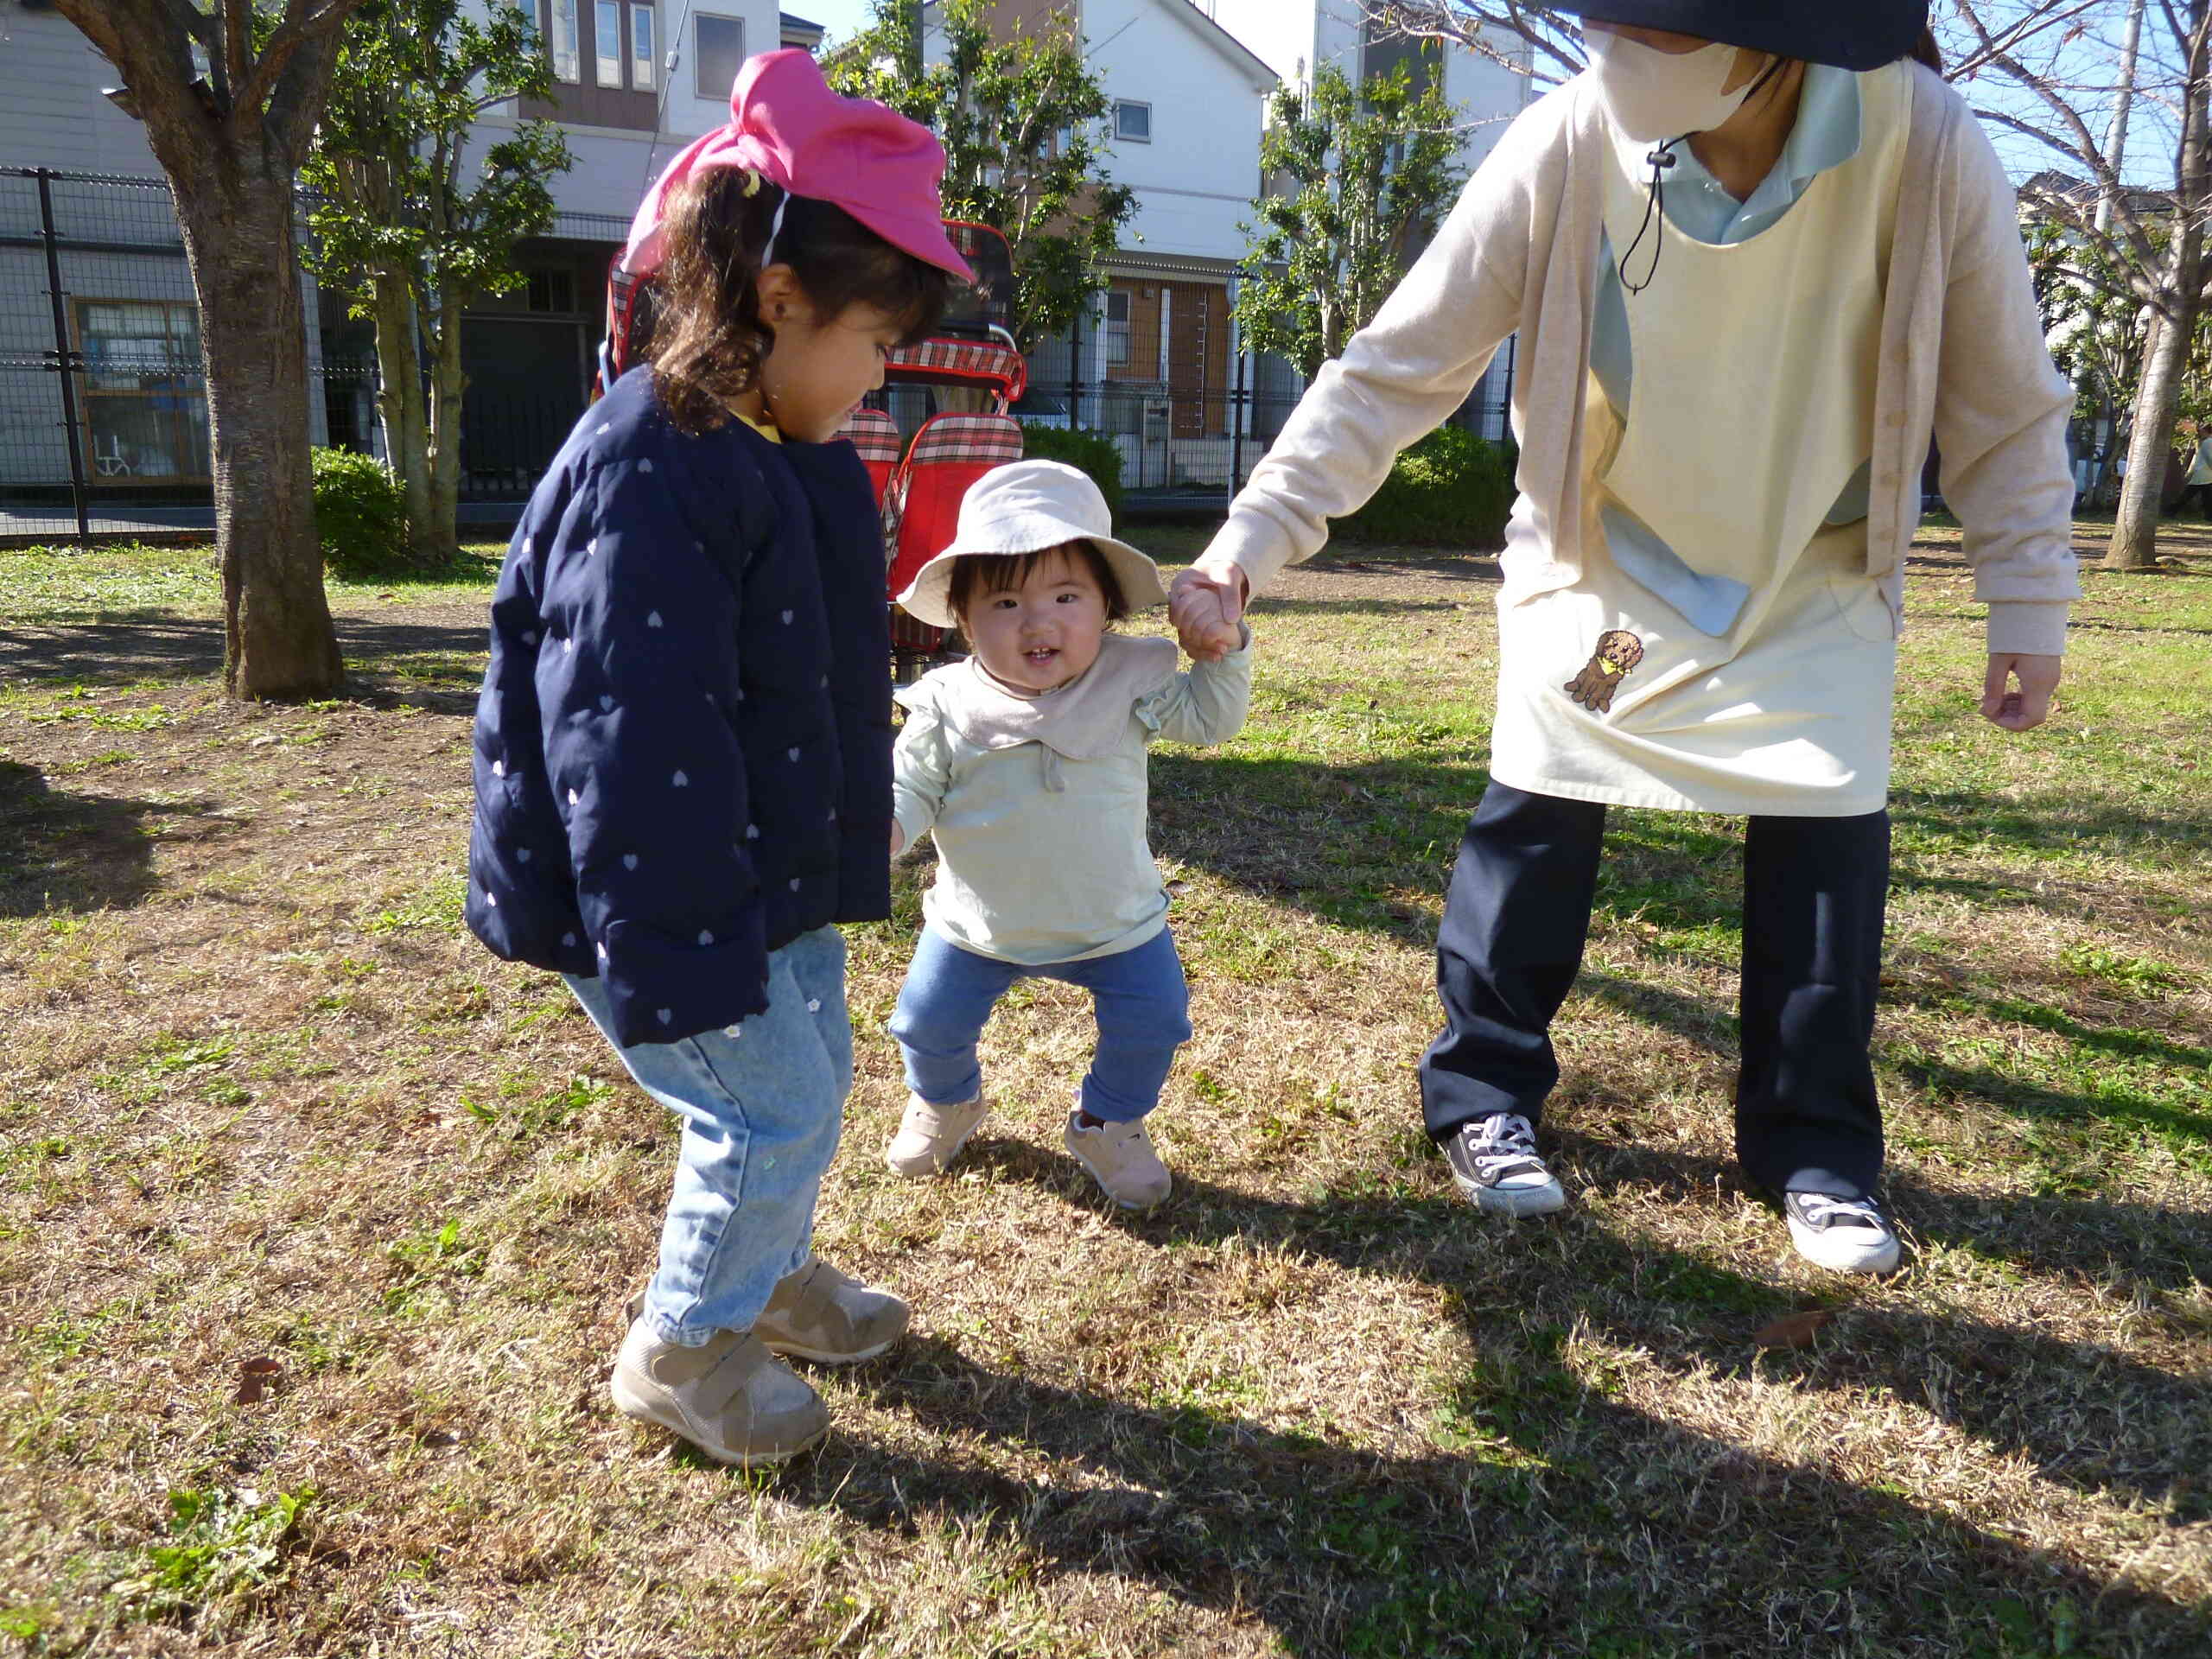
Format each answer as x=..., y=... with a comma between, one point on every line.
x=103, y=426
x=104, y=421
x=103, y=397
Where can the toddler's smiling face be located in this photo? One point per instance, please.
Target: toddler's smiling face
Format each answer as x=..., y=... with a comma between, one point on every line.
x=1045, y=633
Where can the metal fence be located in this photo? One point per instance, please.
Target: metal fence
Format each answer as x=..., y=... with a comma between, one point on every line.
x=103, y=396
x=104, y=426
x=104, y=423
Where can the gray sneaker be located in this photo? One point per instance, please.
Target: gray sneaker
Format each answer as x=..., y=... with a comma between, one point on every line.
x=1496, y=1167
x=1843, y=1235
x=931, y=1137
x=829, y=1317
x=1120, y=1158
x=732, y=1399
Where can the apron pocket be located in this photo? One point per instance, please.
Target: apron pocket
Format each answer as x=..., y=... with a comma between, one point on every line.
x=1859, y=601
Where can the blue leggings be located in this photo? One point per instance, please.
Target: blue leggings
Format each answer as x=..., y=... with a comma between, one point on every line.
x=1143, y=1009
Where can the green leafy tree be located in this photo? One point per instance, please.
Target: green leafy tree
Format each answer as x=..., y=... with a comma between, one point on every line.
x=1360, y=180
x=409, y=239
x=1018, y=118
x=230, y=91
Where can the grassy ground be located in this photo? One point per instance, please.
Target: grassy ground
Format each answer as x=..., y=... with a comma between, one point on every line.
x=316, y=1222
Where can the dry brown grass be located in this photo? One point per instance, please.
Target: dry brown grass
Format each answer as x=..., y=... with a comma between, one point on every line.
x=264, y=1098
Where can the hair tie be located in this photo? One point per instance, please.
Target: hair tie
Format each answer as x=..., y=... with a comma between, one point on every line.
x=752, y=183
x=775, y=230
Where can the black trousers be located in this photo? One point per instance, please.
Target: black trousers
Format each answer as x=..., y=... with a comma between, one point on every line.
x=1815, y=891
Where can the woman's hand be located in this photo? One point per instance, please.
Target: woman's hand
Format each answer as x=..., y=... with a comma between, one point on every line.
x=898, y=839
x=2028, y=707
x=1206, y=604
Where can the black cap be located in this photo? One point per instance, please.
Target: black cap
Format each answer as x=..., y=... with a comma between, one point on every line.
x=1849, y=34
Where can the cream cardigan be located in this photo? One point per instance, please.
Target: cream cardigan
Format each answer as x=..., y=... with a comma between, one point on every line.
x=1962, y=356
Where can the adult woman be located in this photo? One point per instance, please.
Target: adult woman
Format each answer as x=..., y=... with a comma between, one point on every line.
x=1755, y=256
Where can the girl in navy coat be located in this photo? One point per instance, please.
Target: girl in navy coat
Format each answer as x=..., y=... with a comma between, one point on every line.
x=682, y=745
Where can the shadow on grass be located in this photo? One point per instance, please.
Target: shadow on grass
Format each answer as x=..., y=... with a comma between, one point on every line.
x=63, y=852
x=424, y=664
x=118, y=646
x=1343, y=841
x=1551, y=1516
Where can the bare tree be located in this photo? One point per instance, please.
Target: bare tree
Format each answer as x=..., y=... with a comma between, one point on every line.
x=1495, y=29
x=2064, y=76
x=230, y=131
x=2140, y=239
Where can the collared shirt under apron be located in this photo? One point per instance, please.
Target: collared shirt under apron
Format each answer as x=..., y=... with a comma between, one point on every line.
x=1725, y=652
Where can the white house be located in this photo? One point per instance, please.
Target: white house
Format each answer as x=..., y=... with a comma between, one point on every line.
x=1295, y=36
x=1156, y=364
x=126, y=298
x=635, y=81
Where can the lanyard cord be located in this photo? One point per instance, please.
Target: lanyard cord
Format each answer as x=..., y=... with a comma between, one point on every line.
x=1661, y=161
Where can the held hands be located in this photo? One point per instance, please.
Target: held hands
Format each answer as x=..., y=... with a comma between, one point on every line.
x=2029, y=706
x=1206, y=603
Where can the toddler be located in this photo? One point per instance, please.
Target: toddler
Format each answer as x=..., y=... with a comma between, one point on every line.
x=1027, y=761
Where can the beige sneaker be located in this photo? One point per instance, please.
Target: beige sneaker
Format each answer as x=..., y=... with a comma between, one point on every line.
x=732, y=1399
x=930, y=1137
x=1120, y=1159
x=829, y=1317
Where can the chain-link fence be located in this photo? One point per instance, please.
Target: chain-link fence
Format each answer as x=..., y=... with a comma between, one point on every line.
x=103, y=426
x=103, y=396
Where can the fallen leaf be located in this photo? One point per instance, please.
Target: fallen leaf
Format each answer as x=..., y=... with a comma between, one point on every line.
x=1794, y=1330
x=255, y=1376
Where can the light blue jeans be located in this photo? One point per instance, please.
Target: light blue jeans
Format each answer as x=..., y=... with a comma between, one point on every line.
x=762, y=1104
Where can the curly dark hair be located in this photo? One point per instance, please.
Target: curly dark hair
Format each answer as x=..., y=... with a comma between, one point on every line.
x=978, y=575
x=707, y=336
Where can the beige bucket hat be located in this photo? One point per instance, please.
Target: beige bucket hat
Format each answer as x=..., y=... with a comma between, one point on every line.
x=1026, y=507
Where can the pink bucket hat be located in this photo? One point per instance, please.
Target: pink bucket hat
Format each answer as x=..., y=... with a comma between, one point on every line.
x=787, y=125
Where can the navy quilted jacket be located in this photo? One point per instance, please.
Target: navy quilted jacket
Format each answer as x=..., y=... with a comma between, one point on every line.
x=683, y=742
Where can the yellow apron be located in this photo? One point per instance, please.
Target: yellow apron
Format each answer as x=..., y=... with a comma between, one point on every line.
x=1724, y=650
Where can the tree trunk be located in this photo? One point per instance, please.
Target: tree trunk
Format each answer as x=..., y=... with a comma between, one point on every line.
x=399, y=400
x=447, y=384
x=2158, y=402
x=237, y=221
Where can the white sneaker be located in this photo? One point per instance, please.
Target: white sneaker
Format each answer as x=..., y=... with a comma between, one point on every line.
x=1847, y=1234
x=1120, y=1159
x=1495, y=1166
x=930, y=1137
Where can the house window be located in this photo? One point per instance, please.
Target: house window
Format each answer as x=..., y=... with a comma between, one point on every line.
x=552, y=290
x=1133, y=122
x=641, y=47
x=561, y=38
x=607, y=41
x=721, y=54
x=1118, y=328
x=145, y=399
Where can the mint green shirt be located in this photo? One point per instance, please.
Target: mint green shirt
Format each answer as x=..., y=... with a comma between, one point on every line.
x=1037, y=805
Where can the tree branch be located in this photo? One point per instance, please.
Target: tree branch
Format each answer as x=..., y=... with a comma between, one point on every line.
x=302, y=25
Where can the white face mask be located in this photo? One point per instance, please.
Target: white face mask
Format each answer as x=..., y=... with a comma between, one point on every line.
x=1652, y=94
